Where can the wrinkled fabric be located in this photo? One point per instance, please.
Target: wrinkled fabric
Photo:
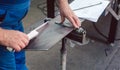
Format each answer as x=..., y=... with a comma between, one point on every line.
x=12, y=1
x=12, y=20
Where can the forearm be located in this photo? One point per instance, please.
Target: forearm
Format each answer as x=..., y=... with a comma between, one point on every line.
x=64, y=6
x=63, y=2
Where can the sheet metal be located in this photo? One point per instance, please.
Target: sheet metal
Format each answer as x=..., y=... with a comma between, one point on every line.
x=49, y=35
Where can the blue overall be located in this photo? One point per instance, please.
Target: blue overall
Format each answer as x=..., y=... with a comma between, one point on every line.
x=12, y=14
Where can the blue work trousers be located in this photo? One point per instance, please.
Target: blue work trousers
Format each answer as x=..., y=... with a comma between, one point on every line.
x=11, y=18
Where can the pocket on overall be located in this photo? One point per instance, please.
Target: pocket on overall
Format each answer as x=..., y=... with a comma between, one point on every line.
x=13, y=18
x=2, y=15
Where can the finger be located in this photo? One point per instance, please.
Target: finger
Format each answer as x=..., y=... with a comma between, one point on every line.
x=62, y=18
x=21, y=43
x=25, y=41
x=77, y=21
x=25, y=35
x=73, y=22
x=17, y=48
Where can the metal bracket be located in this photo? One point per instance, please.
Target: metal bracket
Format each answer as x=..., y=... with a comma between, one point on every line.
x=117, y=17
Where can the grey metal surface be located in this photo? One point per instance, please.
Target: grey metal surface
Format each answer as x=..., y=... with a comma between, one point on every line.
x=49, y=35
x=87, y=57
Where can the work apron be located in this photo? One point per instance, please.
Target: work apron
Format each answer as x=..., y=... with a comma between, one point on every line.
x=10, y=18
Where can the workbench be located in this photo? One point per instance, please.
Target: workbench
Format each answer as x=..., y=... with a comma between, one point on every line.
x=114, y=21
x=53, y=33
x=112, y=31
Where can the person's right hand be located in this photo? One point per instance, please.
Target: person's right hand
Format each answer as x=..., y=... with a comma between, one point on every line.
x=14, y=39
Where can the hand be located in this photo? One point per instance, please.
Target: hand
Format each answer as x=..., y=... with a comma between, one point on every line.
x=66, y=12
x=14, y=39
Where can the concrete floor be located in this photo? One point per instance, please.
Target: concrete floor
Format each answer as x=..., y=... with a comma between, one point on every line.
x=86, y=57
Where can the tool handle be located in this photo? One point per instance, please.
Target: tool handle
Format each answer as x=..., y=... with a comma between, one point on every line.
x=10, y=49
x=30, y=35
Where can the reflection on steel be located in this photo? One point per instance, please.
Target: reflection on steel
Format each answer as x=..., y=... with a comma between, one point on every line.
x=48, y=36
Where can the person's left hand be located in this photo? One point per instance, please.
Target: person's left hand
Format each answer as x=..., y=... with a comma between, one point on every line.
x=66, y=12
